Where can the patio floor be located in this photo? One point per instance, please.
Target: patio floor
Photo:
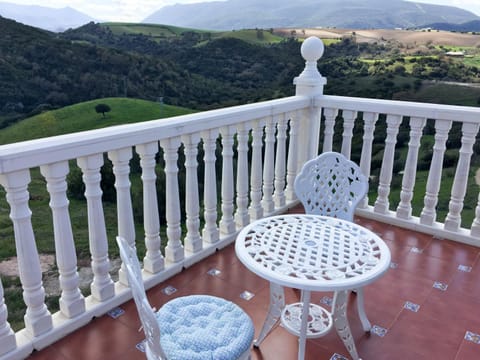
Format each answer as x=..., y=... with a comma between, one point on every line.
x=427, y=306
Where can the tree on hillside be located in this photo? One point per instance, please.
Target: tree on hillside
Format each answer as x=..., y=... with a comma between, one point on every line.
x=102, y=109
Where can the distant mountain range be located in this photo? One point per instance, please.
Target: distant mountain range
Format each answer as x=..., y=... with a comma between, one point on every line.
x=46, y=18
x=471, y=26
x=355, y=14
x=265, y=14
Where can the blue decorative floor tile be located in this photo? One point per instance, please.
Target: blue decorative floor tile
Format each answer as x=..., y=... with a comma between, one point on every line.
x=470, y=336
x=338, y=357
x=214, y=272
x=115, y=313
x=464, y=268
x=326, y=300
x=378, y=330
x=142, y=346
x=247, y=295
x=440, y=286
x=393, y=265
x=169, y=290
x=416, y=250
x=411, y=306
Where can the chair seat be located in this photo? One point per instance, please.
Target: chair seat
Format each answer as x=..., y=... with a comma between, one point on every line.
x=200, y=327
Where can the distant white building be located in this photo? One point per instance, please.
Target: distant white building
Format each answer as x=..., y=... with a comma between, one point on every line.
x=455, y=53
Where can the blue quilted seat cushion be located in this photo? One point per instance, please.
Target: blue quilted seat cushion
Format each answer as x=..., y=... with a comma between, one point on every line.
x=202, y=327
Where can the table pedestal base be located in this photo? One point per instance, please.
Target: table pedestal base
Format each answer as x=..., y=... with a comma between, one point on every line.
x=319, y=320
x=299, y=321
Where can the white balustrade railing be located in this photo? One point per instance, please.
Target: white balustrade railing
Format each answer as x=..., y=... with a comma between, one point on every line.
x=259, y=148
x=417, y=114
x=250, y=143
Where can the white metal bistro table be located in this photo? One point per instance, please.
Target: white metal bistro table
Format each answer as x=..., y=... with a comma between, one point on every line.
x=311, y=253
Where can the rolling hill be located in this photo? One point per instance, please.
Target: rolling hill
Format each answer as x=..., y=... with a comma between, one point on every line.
x=43, y=70
x=471, y=26
x=82, y=116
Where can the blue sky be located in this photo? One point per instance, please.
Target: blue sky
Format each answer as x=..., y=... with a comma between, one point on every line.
x=137, y=10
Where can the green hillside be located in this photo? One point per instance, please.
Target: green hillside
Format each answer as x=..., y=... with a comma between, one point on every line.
x=82, y=116
x=255, y=36
x=160, y=32
x=153, y=30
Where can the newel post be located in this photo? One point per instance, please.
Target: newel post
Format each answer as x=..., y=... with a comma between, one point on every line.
x=310, y=83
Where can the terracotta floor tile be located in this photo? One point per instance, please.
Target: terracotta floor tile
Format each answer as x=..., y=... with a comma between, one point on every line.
x=101, y=339
x=448, y=304
x=402, y=284
x=398, y=250
x=430, y=337
x=405, y=237
x=49, y=353
x=456, y=253
x=239, y=275
x=433, y=268
x=133, y=354
x=436, y=331
x=373, y=225
x=281, y=345
x=130, y=316
x=466, y=284
x=468, y=351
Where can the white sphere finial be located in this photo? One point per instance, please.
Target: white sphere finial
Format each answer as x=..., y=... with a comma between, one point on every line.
x=312, y=49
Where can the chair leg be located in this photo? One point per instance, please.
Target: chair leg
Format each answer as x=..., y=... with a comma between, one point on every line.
x=277, y=303
x=361, y=310
x=340, y=321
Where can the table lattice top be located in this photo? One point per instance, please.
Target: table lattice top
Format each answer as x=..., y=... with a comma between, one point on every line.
x=312, y=252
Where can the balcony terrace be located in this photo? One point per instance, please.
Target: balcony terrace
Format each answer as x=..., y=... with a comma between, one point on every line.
x=425, y=307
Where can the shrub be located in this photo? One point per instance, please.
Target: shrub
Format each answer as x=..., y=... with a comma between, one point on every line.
x=102, y=109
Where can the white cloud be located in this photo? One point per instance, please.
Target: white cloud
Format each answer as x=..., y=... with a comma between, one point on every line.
x=470, y=5
x=109, y=10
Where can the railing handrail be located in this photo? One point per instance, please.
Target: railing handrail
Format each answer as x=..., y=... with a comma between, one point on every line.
x=405, y=108
x=29, y=154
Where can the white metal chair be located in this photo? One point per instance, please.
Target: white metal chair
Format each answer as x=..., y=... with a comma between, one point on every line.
x=332, y=185
x=195, y=327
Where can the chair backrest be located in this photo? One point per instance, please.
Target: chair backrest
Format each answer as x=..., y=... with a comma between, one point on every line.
x=150, y=326
x=331, y=185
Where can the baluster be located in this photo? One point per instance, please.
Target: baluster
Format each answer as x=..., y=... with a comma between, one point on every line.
x=37, y=318
x=102, y=287
x=126, y=228
x=404, y=209
x=153, y=261
x=369, y=120
x=7, y=336
x=193, y=240
x=459, y=189
x=269, y=167
x=330, y=115
x=315, y=113
x=210, y=232
x=174, y=249
x=72, y=302
x=292, y=160
x=429, y=214
x=348, y=124
x=255, y=210
x=475, y=230
x=242, y=217
x=280, y=161
x=227, y=224
x=304, y=132
x=382, y=204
